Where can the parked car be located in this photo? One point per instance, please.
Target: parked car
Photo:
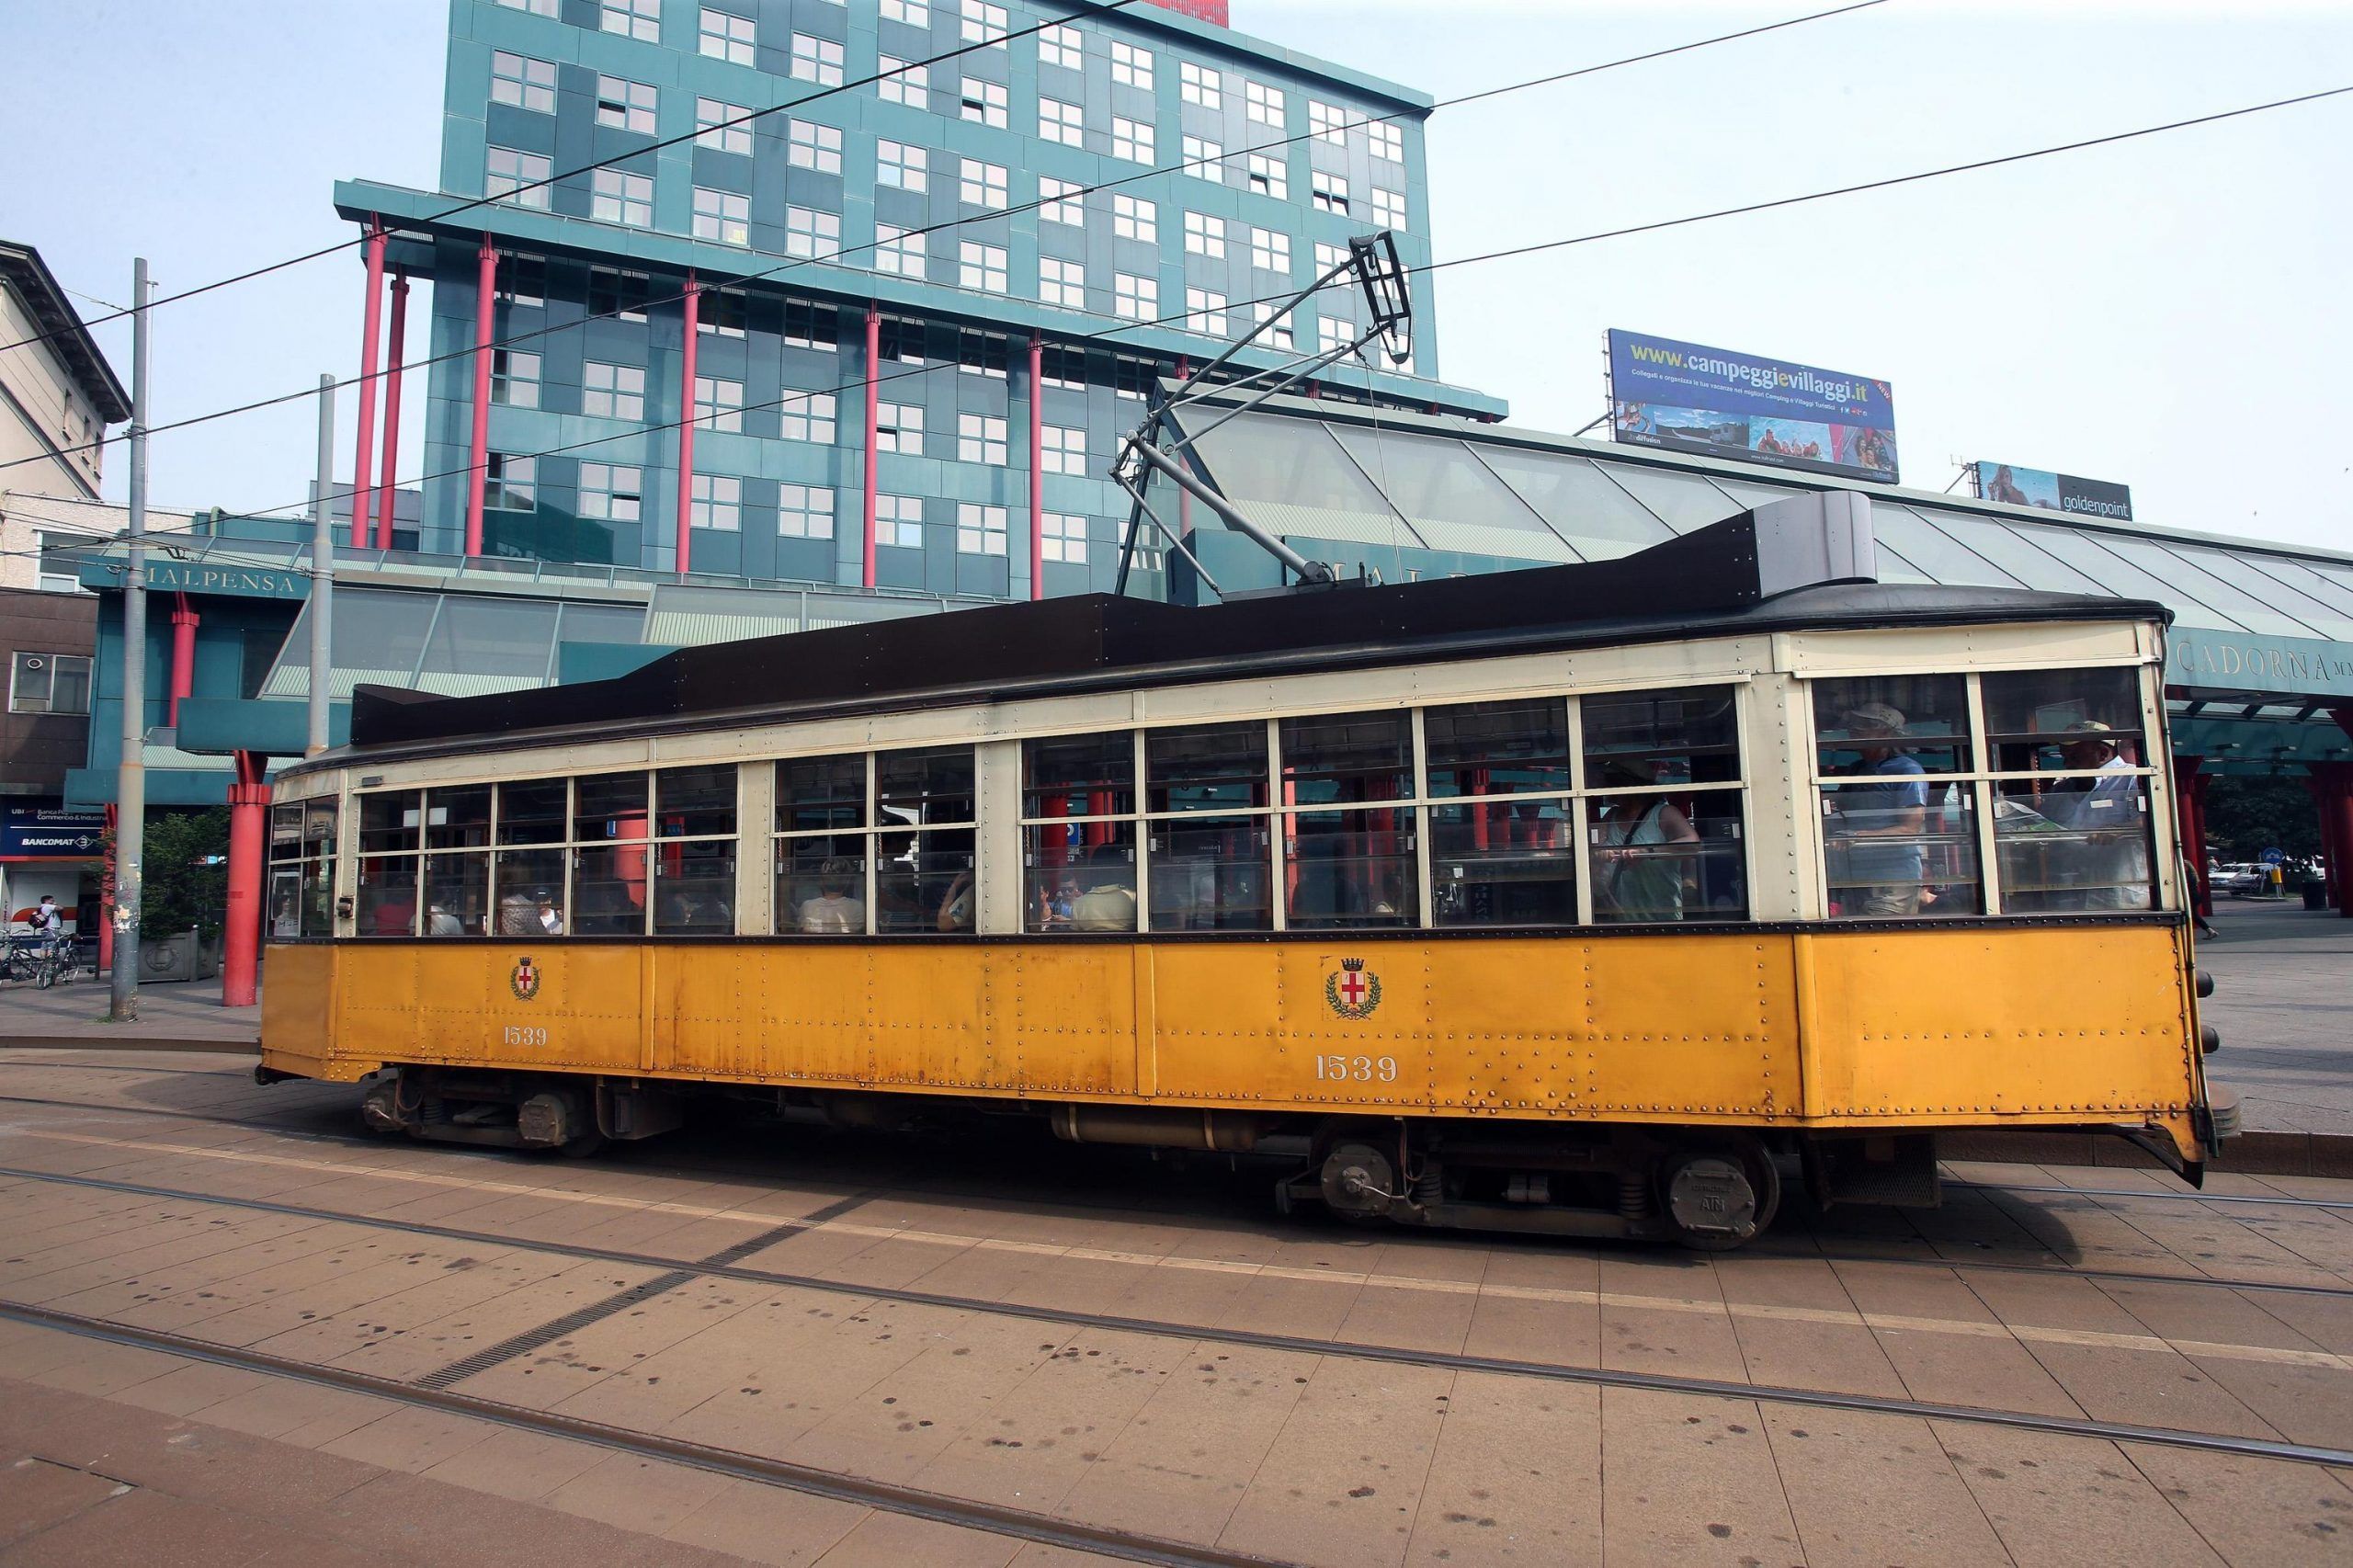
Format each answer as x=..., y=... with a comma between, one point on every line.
x=2239, y=879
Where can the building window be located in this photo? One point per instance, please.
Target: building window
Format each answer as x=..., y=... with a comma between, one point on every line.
x=517, y=178
x=1130, y=65
x=713, y=128
x=1205, y=311
x=532, y=7
x=522, y=279
x=510, y=483
x=639, y=20
x=728, y=37
x=807, y=417
x=896, y=164
x=1199, y=84
x=1131, y=139
x=612, y=391
x=49, y=683
x=620, y=295
x=514, y=378
x=1060, y=45
x=1064, y=539
x=60, y=562
x=984, y=23
x=1389, y=208
x=721, y=311
x=718, y=403
x=1062, y=449
x=1135, y=297
x=1265, y=103
x=1133, y=217
x=981, y=267
x=808, y=325
x=1204, y=159
x=1063, y=368
x=1059, y=121
x=1267, y=176
x=1059, y=201
x=809, y=233
x=983, y=103
x=1281, y=334
x=898, y=521
x=611, y=492
x=1388, y=141
x=717, y=502
x=1331, y=191
x=1062, y=282
x=898, y=427
x=1329, y=256
x=812, y=146
x=981, y=185
x=1334, y=334
x=979, y=531
x=804, y=511
x=623, y=199
x=1271, y=250
x=723, y=216
x=898, y=253
x=981, y=354
x=817, y=60
x=914, y=13
x=624, y=105
x=980, y=438
x=519, y=80
x=904, y=84
x=1327, y=124
x=1205, y=236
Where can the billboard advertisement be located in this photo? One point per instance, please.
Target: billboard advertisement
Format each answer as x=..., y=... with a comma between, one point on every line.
x=1683, y=397
x=2016, y=486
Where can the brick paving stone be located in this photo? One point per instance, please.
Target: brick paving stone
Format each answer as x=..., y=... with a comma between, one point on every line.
x=1866, y=1489
x=889, y=1540
x=1689, y=1480
x=1516, y=1478
x=36, y=1495
x=768, y=1524
x=1344, y=1480
x=649, y=1495
x=2255, y=1513
x=2060, y=1502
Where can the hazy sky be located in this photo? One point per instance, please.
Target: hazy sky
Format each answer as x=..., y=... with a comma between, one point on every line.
x=2172, y=313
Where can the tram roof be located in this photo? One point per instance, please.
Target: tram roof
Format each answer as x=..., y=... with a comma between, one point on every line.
x=1715, y=581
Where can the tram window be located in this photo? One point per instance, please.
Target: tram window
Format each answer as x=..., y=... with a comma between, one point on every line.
x=1503, y=863
x=1078, y=844
x=302, y=872
x=694, y=888
x=387, y=901
x=695, y=802
x=609, y=863
x=458, y=819
x=2033, y=717
x=1896, y=841
x=1633, y=738
x=533, y=812
x=2074, y=835
x=816, y=792
x=1497, y=748
x=1206, y=786
x=923, y=841
x=457, y=895
x=1337, y=758
x=530, y=891
x=608, y=806
x=1667, y=855
x=1347, y=861
x=388, y=822
x=821, y=884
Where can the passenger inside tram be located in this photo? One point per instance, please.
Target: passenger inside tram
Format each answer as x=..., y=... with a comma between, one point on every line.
x=836, y=911
x=1644, y=848
x=1876, y=827
x=1110, y=901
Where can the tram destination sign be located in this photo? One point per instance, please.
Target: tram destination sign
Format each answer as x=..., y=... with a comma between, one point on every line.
x=1684, y=397
x=2015, y=486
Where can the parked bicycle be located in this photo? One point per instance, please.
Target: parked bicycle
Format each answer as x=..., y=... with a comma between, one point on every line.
x=38, y=961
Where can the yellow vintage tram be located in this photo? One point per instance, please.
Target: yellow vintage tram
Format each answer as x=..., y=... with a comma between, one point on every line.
x=1587, y=898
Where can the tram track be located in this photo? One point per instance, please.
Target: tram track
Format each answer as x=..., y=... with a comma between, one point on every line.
x=2059, y=1270
x=1354, y=1351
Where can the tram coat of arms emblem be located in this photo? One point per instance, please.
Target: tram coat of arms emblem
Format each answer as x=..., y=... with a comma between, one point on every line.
x=524, y=979
x=1354, y=991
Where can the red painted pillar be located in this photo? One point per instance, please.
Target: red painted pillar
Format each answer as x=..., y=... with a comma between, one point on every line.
x=241, y=934
x=2190, y=823
x=184, y=622
x=1036, y=471
x=2333, y=793
x=873, y=422
x=361, y=493
x=687, y=428
x=106, y=901
x=391, y=413
x=478, y=451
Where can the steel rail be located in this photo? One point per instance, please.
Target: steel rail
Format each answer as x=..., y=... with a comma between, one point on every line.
x=1019, y=1524
x=1355, y=1350
x=2059, y=1270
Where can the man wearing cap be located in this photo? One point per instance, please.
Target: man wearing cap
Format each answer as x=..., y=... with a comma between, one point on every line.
x=1878, y=824
x=2108, y=866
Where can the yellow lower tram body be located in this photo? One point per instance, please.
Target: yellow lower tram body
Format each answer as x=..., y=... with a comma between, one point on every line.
x=1627, y=1086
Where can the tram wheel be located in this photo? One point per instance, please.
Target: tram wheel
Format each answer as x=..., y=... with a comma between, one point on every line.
x=1716, y=1198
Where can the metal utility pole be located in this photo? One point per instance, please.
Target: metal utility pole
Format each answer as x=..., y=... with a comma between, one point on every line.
x=322, y=573
x=130, y=777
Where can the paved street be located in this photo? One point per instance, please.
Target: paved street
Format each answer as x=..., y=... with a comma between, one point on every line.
x=2283, y=999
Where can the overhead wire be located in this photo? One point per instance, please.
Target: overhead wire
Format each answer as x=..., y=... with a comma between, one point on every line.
x=1501, y=255
x=833, y=258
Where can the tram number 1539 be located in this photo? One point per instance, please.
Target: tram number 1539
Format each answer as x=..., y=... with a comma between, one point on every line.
x=1357, y=1069
x=522, y=1034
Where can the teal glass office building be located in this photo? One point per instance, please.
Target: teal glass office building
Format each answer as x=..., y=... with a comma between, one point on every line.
x=923, y=231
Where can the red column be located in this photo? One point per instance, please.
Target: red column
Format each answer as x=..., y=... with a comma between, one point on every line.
x=2189, y=820
x=241, y=935
x=687, y=428
x=478, y=452
x=184, y=621
x=391, y=413
x=873, y=420
x=1037, y=472
x=106, y=900
x=2333, y=793
x=360, y=495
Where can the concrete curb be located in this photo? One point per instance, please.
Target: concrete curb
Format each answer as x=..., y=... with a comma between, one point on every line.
x=2250, y=1153
x=127, y=1043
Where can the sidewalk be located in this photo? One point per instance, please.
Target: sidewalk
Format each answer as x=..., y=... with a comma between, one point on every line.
x=176, y=1016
